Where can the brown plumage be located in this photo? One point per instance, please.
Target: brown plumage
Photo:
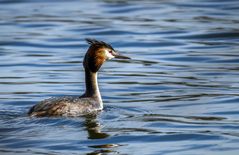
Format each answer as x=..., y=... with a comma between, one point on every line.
x=90, y=101
x=95, y=55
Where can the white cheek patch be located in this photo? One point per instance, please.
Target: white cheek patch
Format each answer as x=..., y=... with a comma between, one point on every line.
x=109, y=55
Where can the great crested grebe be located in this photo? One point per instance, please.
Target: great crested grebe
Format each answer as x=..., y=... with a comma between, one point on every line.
x=90, y=101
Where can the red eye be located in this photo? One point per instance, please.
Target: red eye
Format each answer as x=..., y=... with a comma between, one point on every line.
x=111, y=52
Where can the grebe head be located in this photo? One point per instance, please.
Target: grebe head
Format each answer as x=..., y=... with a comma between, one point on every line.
x=98, y=53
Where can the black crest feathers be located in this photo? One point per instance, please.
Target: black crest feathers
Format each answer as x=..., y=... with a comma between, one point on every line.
x=97, y=43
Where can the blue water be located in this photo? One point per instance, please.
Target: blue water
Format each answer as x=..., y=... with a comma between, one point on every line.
x=178, y=95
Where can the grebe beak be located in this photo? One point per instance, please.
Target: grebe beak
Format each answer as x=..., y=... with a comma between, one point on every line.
x=119, y=56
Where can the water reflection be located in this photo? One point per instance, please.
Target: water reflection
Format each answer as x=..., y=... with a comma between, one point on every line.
x=93, y=128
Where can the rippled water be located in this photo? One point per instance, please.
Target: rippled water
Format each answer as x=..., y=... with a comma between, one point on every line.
x=178, y=95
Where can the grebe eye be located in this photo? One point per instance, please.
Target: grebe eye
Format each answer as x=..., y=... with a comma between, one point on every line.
x=110, y=52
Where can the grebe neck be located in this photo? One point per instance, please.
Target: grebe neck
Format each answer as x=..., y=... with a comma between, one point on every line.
x=92, y=88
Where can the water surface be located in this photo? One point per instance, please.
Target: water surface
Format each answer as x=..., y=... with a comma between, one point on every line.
x=178, y=95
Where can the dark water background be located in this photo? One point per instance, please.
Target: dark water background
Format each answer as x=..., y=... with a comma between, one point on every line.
x=179, y=94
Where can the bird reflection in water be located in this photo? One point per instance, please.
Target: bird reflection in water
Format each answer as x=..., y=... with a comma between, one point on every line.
x=93, y=128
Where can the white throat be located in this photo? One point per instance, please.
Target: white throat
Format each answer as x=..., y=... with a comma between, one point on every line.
x=98, y=91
